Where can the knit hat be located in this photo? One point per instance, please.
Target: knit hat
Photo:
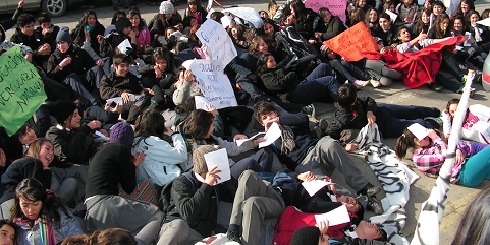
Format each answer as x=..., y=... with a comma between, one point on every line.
x=166, y=8
x=121, y=23
x=308, y=235
x=64, y=35
x=122, y=133
x=62, y=110
x=198, y=157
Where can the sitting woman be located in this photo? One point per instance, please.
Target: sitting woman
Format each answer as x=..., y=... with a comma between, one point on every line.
x=199, y=131
x=423, y=22
x=95, y=30
x=141, y=32
x=472, y=164
x=320, y=85
x=185, y=86
x=329, y=25
x=40, y=215
x=36, y=165
x=166, y=17
x=160, y=154
x=476, y=124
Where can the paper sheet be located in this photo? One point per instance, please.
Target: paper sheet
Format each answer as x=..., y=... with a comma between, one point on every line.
x=392, y=15
x=219, y=158
x=240, y=142
x=201, y=102
x=124, y=46
x=272, y=135
x=314, y=186
x=334, y=217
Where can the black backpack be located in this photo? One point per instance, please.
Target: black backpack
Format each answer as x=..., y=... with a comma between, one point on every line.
x=165, y=202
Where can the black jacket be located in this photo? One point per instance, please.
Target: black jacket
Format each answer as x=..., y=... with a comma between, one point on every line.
x=113, y=86
x=198, y=202
x=345, y=119
x=389, y=37
x=110, y=167
x=303, y=139
x=31, y=41
x=157, y=26
x=330, y=30
x=81, y=62
x=49, y=37
x=78, y=36
x=24, y=168
x=74, y=146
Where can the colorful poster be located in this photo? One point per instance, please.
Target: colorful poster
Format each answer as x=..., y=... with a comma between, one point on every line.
x=353, y=42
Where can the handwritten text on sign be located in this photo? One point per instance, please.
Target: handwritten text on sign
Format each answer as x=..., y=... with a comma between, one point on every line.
x=336, y=7
x=220, y=46
x=21, y=90
x=353, y=42
x=214, y=84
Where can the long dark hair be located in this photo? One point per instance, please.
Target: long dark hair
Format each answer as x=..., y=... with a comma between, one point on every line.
x=262, y=64
x=141, y=26
x=33, y=190
x=474, y=227
x=152, y=124
x=405, y=141
x=198, y=124
x=420, y=25
x=437, y=25
x=110, y=236
x=83, y=21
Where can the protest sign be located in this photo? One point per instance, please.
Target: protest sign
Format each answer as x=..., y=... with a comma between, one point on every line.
x=214, y=36
x=214, y=84
x=353, y=42
x=246, y=13
x=336, y=7
x=21, y=90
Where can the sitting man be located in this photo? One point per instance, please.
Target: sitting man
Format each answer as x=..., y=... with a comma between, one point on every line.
x=355, y=113
x=256, y=201
x=301, y=151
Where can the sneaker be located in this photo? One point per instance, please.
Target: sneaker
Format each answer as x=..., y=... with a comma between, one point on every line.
x=369, y=190
x=436, y=122
x=309, y=110
x=233, y=235
x=374, y=205
x=323, y=124
x=375, y=83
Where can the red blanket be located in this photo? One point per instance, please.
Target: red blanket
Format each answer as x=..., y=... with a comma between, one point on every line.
x=417, y=68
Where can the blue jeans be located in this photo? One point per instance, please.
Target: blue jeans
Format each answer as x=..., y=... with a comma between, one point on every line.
x=392, y=119
x=260, y=161
x=320, y=85
x=349, y=71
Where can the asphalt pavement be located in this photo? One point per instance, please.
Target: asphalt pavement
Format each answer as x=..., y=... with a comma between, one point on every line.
x=458, y=197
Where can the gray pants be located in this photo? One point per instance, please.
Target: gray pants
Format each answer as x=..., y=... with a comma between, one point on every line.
x=142, y=220
x=379, y=71
x=254, y=202
x=329, y=155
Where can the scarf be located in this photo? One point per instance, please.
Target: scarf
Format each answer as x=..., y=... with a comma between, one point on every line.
x=89, y=28
x=287, y=138
x=46, y=229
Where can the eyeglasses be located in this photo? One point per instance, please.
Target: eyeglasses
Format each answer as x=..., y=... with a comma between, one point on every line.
x=27, y=132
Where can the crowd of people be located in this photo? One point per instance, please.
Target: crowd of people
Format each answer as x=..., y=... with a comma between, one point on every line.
x=87, y=169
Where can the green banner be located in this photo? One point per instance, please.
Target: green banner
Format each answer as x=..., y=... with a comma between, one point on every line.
x=21, y=90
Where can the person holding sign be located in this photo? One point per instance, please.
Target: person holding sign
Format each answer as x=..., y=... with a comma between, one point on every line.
x=199, y=130
x=301, y=152
x=196, y=195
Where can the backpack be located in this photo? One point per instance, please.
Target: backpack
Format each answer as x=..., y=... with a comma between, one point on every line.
x=166, y=204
